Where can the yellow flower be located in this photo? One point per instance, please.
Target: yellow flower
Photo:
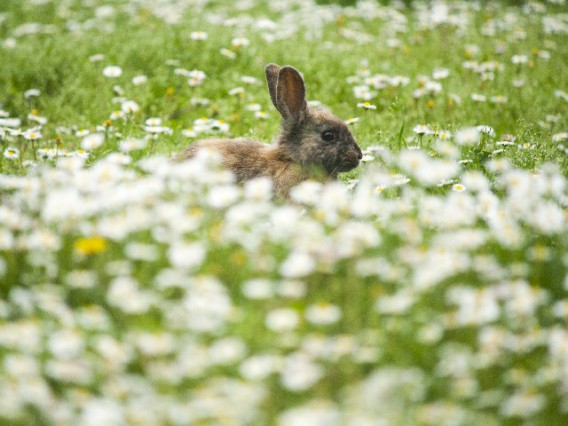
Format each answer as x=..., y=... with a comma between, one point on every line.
x=90, y=245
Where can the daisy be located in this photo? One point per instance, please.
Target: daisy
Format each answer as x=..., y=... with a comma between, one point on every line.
x=281, y=320
x=115, y=115
x=33, y=116
x=158, y=129
x=366, y=105
x=198, y=35
x=93, y=141
x=189, y=133
x=9, y=43
x=237, y=91
x=422, y=129
x=193, y=82
x=32, y=93
x=363, y=92
x=153, y=121
x=182, y=71
x=130, y=107
x=197, y=74
x=32, y=135
x=138, y=80
x=499, y=99
x=97, y=57
x=11, y=153
x=486, y=130
x=81, y=153
x=131, y=144
x=440, y=73
x=458, y=187
x=249, y=80
x=519, y=59
x=47, y=153
x=240, y=42
x=352, y=120
x=298, y=264
x=323, y=314
x=228, y=53
x=478, y=98
x=112, y=71
x=467, y=136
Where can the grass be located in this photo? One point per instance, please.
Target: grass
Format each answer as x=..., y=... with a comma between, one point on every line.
x=427, y=287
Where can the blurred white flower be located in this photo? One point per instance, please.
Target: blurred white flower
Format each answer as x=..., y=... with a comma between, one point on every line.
x=422, y=129
x=314, y=413
x=258, y=288
x=92, y=141
x=323, y=314
x=32, y=93
x=207, y=304
x=306, y=192
x=66, y=344
x=467, y=136
x=227, y=351
x=297, y=264
x=240, y=42
x=523, y=404
x=186, y=255
x=112, y=71
x=139, y=80
x=130, y=107
x=258, y=189
x=300, y=373
x=81, y=278
x=132, y=144
x=124, y=293
x=281, y=320
x=258, y=367
x=198, y=35
x=222, y=196
x=102, y=411
x=11, y=153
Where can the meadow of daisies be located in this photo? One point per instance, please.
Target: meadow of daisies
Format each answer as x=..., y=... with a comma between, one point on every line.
x=427, y=287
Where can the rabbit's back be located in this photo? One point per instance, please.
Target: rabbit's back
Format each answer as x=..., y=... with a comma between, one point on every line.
x=248, y=159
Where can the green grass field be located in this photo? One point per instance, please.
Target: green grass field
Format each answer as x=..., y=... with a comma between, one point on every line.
x=428, y=286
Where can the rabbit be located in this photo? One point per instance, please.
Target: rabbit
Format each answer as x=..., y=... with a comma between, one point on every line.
x=313, y=143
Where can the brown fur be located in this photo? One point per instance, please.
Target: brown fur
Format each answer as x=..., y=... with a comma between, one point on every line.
x=300, y=153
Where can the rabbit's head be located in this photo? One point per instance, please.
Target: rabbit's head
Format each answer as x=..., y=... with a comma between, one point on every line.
x=312, y=137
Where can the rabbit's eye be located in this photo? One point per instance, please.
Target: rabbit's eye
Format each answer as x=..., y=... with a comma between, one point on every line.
x=328, y=136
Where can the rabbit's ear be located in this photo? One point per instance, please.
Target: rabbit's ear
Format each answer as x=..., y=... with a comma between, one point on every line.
x=291, y=94
x=271, y=71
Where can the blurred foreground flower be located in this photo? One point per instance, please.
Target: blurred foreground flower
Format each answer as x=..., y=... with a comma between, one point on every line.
x=90, y=245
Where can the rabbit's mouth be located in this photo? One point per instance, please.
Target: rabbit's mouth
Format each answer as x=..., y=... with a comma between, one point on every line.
x=351, y=158
x=348, y=164
x=350, y=161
